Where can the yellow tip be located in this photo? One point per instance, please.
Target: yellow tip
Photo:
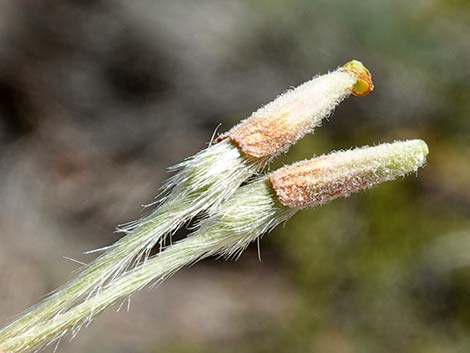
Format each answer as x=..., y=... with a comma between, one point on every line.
x=363, y=85
x=424, y=147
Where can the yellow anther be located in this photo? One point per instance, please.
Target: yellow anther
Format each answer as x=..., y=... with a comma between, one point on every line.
x=363, y=85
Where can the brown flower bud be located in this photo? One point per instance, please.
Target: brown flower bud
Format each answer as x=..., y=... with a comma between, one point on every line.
x=272, y=129
x=319, y=180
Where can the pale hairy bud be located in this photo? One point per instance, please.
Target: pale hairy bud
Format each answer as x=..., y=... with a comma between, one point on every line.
x=254, y=209
x=201, y=184
x=272, y=129
x=319, y=180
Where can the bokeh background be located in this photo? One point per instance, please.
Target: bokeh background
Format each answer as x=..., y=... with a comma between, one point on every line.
x=98, y=97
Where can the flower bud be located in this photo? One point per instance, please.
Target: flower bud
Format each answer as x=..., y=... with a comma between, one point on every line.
x=319, y=180
x=273, y=128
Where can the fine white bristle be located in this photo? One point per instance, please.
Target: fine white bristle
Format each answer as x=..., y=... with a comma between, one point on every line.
x=252, y=211
x=200, y=186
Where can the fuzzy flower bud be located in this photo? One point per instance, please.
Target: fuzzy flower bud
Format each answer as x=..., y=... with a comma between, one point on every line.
x=272, y=129
x=319, y=180
x=253, y=210
x=201, y=184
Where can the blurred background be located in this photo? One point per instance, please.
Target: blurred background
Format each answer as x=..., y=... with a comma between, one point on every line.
x=98, y=97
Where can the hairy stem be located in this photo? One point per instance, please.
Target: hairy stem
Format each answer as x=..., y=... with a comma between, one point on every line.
x=252, y=211
x=205, y=180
